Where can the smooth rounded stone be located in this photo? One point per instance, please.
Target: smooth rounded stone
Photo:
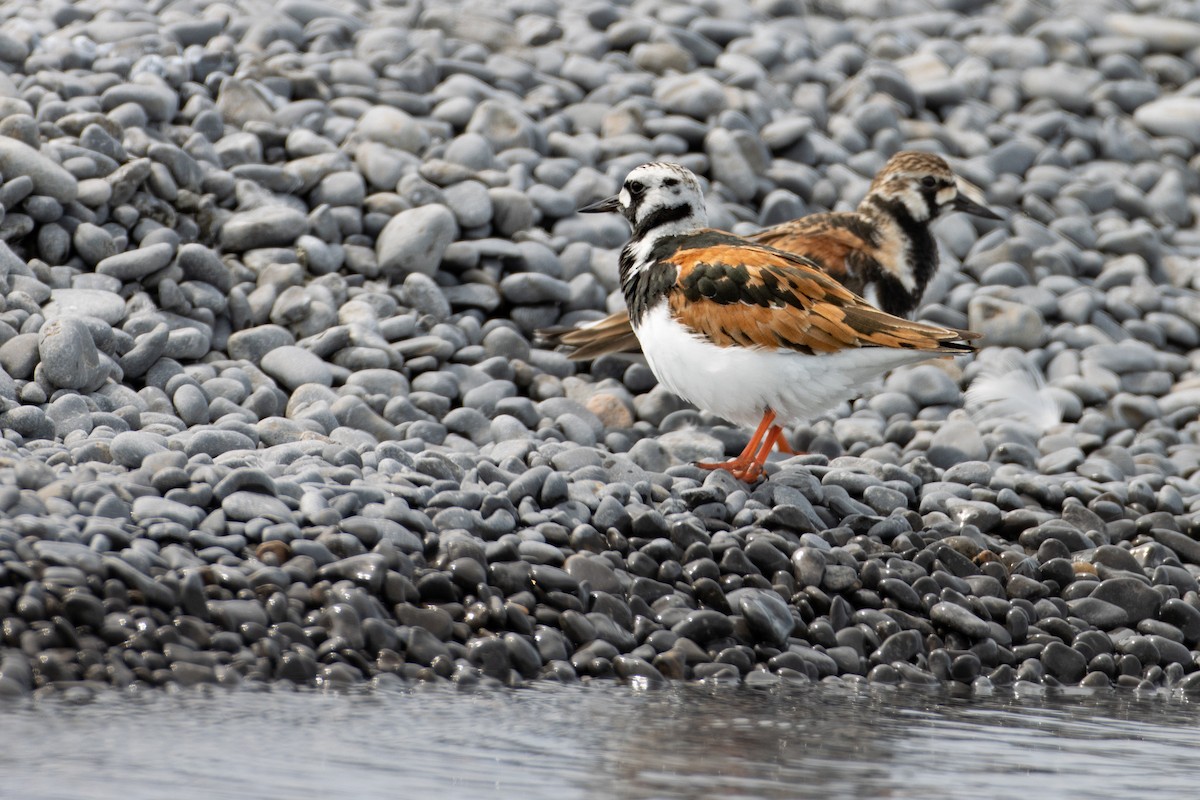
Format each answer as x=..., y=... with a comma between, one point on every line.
x=766, y=613
x=191, y=404
x=737, y=158
x=598, y=573
x=1171, y=116
x=703, y=626
x=240, y=103
x=695, y=95
x=808, y=566
x=503, y=126
x=1185, y=617
x=1137, y=600
x=29, y=422
x=69, y=412
x=1005, y=323
x=513, y=211
x=899, y=591
x=1159, y=33
x=415, y=240
x=133, y=265
x=422, y=294
x=243, y=506
x=252, y=344
x=692, y=445
x=68, y=354
x=391, y=127
x=18, y=357
x=926, y=384
x=507, y=343
x=637, y=670
x=957, y=618
x=215, y=441
x=97, y=303
x=532, y=288
x=201, y=263
x=265, y=226
x=899, y=647
x=50, y=179
x=94, y=193
x=1101, y=613
x=1064, y=663
x=1187, y=548
x=159, y=101
x=294, y=366
x=131, y=448
x=955, y=442
x=470, y=202
x=16, y=674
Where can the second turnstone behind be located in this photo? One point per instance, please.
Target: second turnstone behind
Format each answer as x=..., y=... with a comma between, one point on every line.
x=745, y=331
x=883, y=250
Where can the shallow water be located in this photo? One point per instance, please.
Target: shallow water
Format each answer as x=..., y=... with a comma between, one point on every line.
x=600, y=741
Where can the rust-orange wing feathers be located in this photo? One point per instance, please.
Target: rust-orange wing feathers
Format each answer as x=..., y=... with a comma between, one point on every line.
x=752, y=296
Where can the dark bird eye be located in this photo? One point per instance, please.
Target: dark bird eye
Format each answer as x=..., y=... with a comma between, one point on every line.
x=636, y=189
x=929, y=181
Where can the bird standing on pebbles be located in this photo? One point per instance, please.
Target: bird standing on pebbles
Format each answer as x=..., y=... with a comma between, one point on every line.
x=745, y=331
x=883, y=250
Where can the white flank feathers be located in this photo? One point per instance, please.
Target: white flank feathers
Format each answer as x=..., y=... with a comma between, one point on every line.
x=740, y=383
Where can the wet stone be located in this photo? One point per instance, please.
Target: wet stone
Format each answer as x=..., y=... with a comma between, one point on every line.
x=1135, y=598
x=703, y=626
x=1094, y=611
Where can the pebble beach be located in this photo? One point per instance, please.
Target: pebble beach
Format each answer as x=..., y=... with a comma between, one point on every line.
x=274, y=411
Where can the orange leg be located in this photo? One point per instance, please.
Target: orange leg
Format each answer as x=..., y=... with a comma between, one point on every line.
x=748, y=465
x=753, y=471
x=784, y=446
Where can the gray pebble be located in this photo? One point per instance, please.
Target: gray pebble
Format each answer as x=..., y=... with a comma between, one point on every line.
x=18, y=158
x=266, y=226
x=133, y=265
x=1004, y=323
x=68, y=355
x=414, y=240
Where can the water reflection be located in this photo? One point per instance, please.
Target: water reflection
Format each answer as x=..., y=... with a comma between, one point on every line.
x=599, y=742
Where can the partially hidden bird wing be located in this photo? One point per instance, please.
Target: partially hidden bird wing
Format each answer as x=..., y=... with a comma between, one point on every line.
x=840, y=244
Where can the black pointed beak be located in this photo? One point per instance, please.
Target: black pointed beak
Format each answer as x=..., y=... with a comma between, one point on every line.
x=964, y=203
x=602, y=206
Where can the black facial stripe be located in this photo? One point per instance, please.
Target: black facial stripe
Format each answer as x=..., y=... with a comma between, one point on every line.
x=930, y=194
x=663, y=215
x=635, y=202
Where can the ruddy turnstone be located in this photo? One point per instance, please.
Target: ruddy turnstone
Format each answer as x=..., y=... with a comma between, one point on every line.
x=883, y=250
x=743, y=330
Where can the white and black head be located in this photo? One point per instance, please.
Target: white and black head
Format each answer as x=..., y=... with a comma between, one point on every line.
x=658, y=199
x=923, y=185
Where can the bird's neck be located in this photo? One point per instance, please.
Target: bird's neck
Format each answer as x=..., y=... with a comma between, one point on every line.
x=907, y=250
x=645, y=279
x=646, y=276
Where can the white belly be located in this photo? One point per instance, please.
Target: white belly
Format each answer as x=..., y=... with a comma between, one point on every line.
x=740, y=384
